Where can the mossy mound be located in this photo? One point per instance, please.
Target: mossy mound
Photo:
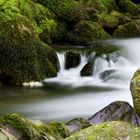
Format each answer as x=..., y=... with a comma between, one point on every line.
x=128, y=6
x=135, y=88
x=26, y=129
x=116, y=130
x=129, y=29
x=23, y=56
x=85, y=32
x=77, y=124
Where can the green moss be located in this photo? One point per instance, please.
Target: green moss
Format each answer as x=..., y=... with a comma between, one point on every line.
x=108, y=131
x=23, y=56
x=35, y=130
x=135, y=88
x=128, y=6
x=110, y=4
x=85, y=32
x=129, y=29
x=59, y=130
x=24, y=126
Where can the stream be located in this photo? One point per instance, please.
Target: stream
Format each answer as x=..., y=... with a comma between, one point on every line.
x=69, y=95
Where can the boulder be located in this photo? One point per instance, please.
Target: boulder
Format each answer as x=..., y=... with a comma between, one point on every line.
x=24, y=57
x=128, y=30
x=87, y=70
x=72, y=59
x=114, y=130
x=135, y=91
x=128, y=6
x=108, y=21
x=85, y=32
x=116, y=111
x=25, y=129
x=77, y=124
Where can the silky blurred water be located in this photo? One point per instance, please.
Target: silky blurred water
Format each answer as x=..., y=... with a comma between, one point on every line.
x=69, y=95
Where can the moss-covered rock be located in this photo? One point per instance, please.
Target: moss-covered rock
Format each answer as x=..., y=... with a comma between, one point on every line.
x=72, y=59
x=23, y=56
x=87, y=70
x=116, y=130
x=108, y=21
x=129, y=29
x=59, y=129
x=109, y=4
x=86, y=32
x=135, y=91
x=128, y=6
x=25, y=129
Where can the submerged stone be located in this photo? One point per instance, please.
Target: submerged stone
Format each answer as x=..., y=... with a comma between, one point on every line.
x=116, y=111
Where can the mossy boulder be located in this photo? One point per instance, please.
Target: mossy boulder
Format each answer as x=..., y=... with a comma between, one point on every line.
x=135, y=91
x=23, y=56
x=128, y=6
x=108, y=21
x=129, y=29
x=25, y=129
x=72, y=59
x=109, y=4
x=116, y=111
x=114, y=130
x=77, y=124
x=86, y=32
x=87, y=70
x=59, y=129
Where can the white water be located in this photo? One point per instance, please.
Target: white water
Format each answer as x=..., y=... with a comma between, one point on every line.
x=69, y=105
x=124, y=65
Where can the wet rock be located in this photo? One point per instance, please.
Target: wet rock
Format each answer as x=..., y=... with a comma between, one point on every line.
x=4, y=135
x=87, y=70
x=116, y=111
x=103, y=75
x=135, y=91
x=114, y=130
x=72, y=60
x=77, y=124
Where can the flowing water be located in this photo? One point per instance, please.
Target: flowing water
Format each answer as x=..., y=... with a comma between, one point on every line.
x=69, y=95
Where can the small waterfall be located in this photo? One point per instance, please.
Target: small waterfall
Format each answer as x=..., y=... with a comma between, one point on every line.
x=109, y=70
